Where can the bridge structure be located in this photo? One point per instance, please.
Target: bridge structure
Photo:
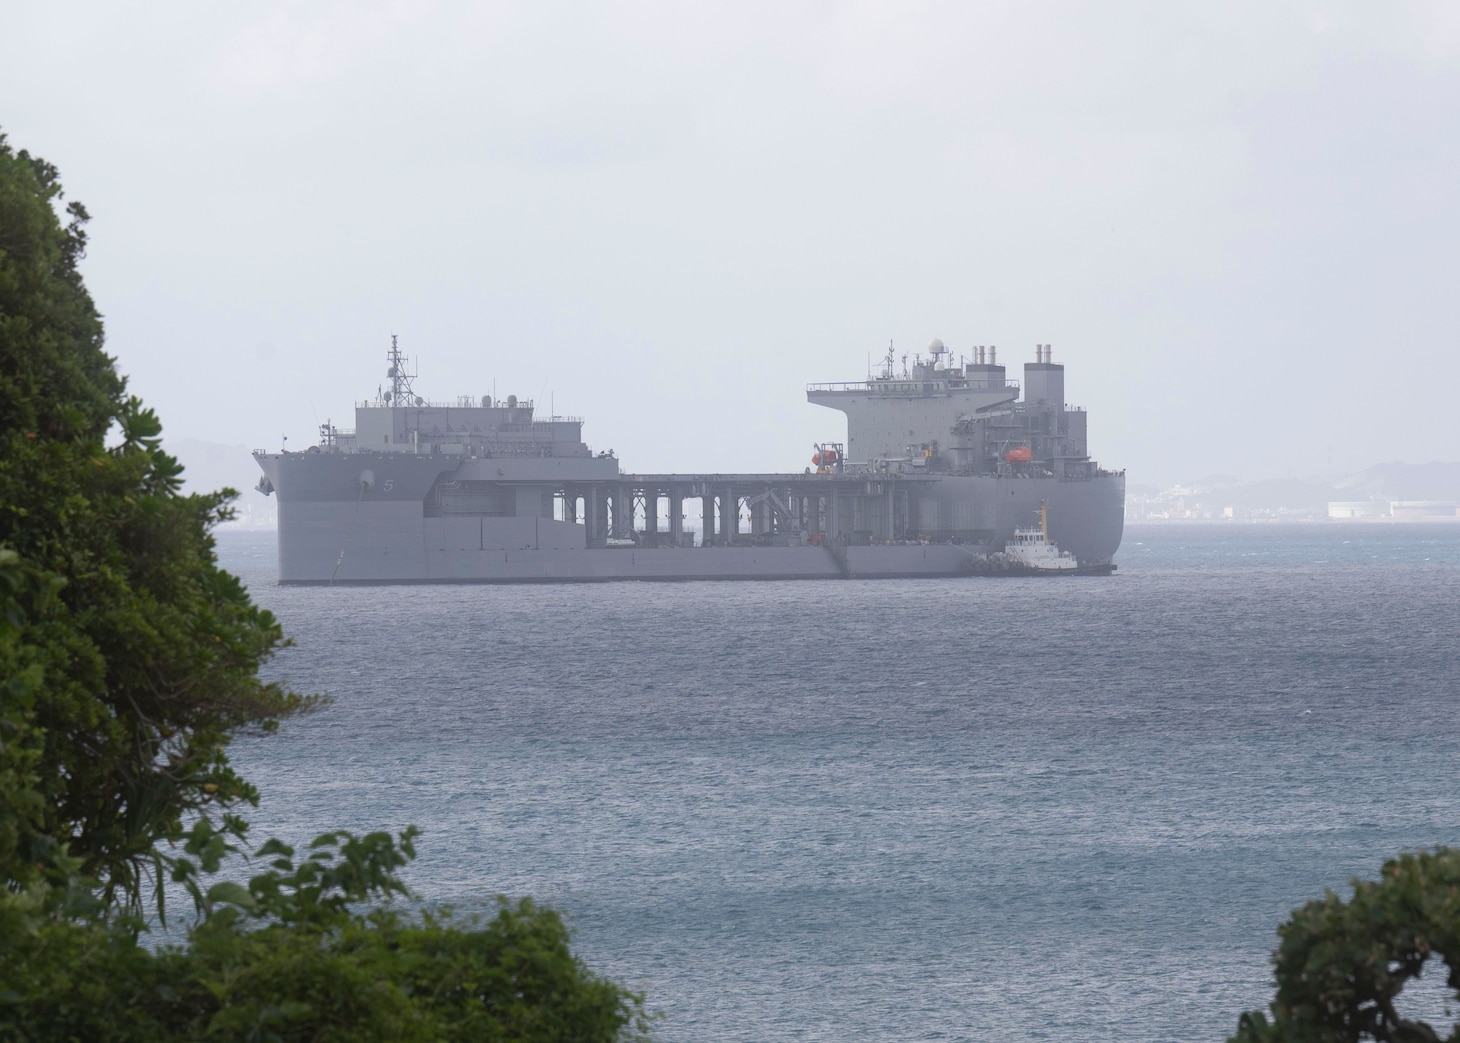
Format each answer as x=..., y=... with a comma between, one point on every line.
x=740, y=509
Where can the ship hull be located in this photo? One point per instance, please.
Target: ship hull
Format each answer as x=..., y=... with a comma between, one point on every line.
x=362, y=518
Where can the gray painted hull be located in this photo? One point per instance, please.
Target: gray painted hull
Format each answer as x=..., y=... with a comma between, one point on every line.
x=334, y=529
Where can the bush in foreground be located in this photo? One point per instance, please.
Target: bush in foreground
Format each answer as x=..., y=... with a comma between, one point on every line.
x=1342, y=965
x=308, y=951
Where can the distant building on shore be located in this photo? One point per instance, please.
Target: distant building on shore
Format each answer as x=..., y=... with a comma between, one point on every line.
x=1422, y=510
x=1358, y=509
x=1397, y=510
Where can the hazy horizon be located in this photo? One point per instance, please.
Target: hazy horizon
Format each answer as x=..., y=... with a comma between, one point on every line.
x=1233, y=223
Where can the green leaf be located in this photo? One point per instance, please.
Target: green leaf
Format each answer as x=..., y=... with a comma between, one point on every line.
x=274, y=846
x=232, y=893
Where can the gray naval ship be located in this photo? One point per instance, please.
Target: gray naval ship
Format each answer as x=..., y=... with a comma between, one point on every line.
x=941, y=463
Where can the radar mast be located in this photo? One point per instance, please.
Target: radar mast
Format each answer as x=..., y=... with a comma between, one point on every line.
x=401, y=392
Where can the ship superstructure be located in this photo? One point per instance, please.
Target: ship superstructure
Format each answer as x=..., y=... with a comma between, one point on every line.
x=940, y=464
x=965, y=418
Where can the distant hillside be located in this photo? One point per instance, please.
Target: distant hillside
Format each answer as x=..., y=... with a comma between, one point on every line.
x=209, y=466
x=1220, y=495
x=1393, y=481
x=1399, y=481
x=1279, y=493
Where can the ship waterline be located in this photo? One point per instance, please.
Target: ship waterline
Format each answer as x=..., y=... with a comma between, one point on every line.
x=483, y=491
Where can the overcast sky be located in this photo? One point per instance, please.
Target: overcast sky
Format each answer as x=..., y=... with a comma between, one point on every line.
x=1236, y=223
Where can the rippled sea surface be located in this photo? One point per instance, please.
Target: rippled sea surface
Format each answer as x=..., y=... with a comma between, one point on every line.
x=981, y=809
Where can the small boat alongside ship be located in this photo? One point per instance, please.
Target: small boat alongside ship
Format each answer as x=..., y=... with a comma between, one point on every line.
x=1029, y=552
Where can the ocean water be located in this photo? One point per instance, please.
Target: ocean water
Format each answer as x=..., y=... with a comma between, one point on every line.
x=979, y=809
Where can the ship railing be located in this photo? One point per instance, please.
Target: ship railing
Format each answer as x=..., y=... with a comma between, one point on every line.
x=468, y=402
x=910, y=386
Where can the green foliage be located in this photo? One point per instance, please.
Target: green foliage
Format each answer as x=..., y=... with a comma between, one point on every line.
x=290, y=956
x=1341, y=965
x=22, y=846
x=130, y=657
x=128, y=660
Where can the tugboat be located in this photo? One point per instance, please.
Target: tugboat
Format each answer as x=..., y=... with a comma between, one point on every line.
x=1031, y=551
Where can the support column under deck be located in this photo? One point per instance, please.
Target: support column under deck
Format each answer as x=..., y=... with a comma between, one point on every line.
x=729, y=516
x=593, y=515
x=707, y=526
x=651, y=517
x=623, y=521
